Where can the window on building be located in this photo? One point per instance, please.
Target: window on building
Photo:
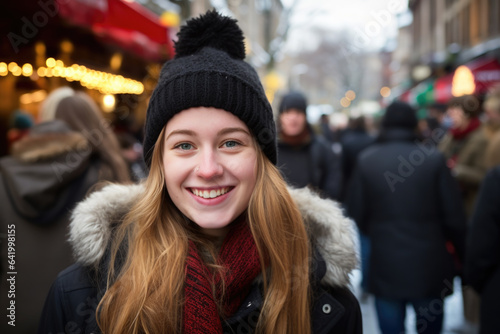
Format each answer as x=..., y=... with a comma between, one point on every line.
x=466, y=26
x=493, y=18
x=433, y=18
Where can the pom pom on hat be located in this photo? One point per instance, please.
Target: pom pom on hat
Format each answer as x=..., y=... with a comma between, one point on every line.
x=212, y=30
x=209, y=71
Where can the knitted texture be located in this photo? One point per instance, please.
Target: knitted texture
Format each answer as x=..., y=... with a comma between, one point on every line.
x=240, y=258
x=211, y=75
x=293, y=100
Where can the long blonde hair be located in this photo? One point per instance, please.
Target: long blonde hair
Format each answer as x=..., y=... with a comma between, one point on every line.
x=146, y=294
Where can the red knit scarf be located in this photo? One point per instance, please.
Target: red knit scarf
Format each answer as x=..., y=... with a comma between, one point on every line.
x=239, y=256
x=458, y=133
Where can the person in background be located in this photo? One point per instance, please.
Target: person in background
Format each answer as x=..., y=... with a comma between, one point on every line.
x=491, y=108
x=482, y=265
x=438, y=122
x=131, y=150
x=355, y=138
x=464, y=147
x=20, y=124
x=408, y=204
x=48, y=172
x=81, y=113
x=325, y=128
x=212, y=241
x=305, y=158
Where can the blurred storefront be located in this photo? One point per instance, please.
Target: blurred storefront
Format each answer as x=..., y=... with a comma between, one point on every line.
x=458, y=43
x=477, y=77
x=113, y=49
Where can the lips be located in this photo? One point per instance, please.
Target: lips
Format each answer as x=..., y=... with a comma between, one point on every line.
x=208, y=194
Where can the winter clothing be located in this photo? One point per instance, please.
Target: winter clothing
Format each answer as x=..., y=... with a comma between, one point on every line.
x=238, y=253
x=209, y=70
x=404, y=198
x=353, y=141
x=466, y=157
x=482, y=267
x=311, y=162
x=74, y=296
x=293, y=100
x=492, y=154
x=50, y=171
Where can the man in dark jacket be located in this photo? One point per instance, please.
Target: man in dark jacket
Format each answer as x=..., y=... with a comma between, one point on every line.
x=403, y=196
x=482, y=266
x=305, y=158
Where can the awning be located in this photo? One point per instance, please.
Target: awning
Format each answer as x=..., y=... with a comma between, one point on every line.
x=126, y=24
x=486, y=74
x=442, y=88
x=476, y=77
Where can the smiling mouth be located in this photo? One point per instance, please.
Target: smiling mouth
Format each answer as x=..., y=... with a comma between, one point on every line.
x=210, y=193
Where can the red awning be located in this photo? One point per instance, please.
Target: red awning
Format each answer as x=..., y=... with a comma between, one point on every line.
x=442, y=88
x=126, y=24
x=486, y=74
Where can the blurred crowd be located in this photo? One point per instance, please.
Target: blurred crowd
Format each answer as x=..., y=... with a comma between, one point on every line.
x=422, y=188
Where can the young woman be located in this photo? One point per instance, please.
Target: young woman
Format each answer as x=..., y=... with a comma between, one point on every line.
x=212, y=241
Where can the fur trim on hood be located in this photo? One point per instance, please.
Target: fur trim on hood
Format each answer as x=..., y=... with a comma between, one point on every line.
x=48, y=145
x=335, y=235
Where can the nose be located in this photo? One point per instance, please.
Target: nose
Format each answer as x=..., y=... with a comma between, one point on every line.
x=209, y=166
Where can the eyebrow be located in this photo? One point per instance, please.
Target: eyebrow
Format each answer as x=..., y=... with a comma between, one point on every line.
x=224, y=131
x=181, y=132
x=230, y=130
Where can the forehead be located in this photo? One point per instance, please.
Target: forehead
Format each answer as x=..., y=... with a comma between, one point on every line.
x=203, y=117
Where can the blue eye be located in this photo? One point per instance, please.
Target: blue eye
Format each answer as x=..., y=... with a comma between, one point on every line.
x=231, y=143
x=185, y=146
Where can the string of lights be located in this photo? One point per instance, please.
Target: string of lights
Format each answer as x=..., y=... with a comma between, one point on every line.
x=105, y=83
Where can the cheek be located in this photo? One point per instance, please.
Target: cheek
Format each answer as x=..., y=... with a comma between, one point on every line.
x=175, y=172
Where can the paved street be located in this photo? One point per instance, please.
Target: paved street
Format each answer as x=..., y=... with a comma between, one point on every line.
x=453, y=321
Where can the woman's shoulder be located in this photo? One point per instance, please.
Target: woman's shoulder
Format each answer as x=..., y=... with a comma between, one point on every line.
x=94, y=219
x=72, y=302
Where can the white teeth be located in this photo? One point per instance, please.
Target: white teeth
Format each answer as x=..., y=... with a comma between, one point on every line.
x=209, y=194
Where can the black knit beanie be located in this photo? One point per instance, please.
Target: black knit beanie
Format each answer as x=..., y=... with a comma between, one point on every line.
x=209, y=70
x=399, y=115
x=293, y=100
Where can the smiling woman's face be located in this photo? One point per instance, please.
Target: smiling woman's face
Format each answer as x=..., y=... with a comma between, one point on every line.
x=209, y=161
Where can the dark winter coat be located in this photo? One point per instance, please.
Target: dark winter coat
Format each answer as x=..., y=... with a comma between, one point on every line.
x=312, y=164
x=482, y=269
x=49, y=172
x=353, y=142
x=403, y=196
x=72, y=301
